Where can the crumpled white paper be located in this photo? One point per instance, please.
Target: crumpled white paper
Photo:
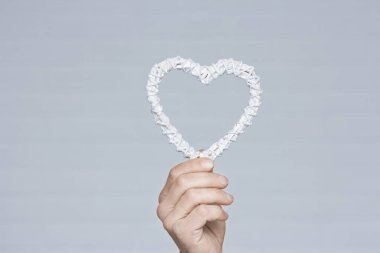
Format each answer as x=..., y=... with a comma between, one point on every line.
x=205, y=74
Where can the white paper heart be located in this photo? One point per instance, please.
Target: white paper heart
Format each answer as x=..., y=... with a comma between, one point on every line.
x=205, y=74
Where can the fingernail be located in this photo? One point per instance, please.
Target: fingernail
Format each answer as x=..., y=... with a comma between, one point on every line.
x=230, y=197
x=223, y=179
x=207, y=163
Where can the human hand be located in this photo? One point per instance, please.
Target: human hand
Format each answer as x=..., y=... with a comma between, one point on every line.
x=190, y=206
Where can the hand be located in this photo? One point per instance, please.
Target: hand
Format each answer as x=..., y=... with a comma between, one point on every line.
x=190, y=206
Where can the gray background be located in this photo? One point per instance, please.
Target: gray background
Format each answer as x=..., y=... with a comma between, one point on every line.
x=82, y=162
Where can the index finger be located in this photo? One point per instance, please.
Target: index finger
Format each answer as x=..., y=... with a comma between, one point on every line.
x=201, y=164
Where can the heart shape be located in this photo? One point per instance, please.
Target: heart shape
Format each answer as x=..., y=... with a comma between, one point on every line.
x=205, y=74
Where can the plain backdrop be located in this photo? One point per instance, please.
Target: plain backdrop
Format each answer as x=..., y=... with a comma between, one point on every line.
x=82, y=162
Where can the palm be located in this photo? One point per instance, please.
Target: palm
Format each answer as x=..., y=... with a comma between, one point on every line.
x=210, y=237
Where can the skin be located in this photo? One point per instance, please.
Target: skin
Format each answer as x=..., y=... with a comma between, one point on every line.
x=190, y=206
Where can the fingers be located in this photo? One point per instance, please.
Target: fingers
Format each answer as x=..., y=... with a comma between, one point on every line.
x=190, y=206
x=187, y=181
x=202, y=164
x=203, y=214
x=194, y=197
x=198, y=218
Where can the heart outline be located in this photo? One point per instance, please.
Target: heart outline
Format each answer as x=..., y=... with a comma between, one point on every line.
x=205, y=74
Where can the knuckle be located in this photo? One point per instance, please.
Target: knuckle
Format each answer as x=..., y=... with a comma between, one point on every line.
x=173, y=173
x=159, y=211
x=160, y=197
x=181, y=181
x=191, y=195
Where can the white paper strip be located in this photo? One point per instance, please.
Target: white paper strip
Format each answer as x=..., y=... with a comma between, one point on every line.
x=205, y=74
